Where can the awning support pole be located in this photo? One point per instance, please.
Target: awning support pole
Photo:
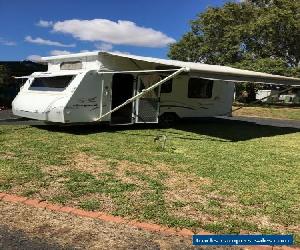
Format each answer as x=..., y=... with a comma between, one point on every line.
x=144, y=91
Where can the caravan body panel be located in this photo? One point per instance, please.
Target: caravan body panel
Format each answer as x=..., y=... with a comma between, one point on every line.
x=178, y=101
x=84, y=105
x=44, y=103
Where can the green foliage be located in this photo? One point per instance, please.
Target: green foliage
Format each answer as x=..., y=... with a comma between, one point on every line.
x=260, y=35
x=187, y=49
x=9, y=86
x=272, y=66
x=4, y=75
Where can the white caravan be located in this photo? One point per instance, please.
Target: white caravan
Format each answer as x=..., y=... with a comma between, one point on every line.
x=126, y=89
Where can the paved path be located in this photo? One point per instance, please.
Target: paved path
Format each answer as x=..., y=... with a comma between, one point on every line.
x=7, y=118
x=267, y=121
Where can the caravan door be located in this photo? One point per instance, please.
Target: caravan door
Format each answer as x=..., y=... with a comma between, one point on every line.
x=122, y=90
x=147, y=106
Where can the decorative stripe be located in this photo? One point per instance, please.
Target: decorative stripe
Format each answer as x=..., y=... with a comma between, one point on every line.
x=178, y=106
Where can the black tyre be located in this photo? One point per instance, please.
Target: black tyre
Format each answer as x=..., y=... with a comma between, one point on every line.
x=168, y=119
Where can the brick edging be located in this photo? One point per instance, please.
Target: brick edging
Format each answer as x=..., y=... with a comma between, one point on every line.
x=116, y=219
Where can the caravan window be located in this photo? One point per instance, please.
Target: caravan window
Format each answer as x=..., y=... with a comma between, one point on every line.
x=55, y=83
x=200, y=88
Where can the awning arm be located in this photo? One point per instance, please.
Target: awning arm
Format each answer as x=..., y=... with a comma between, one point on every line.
x=21, y=77
x=144, y=91
x=137, y=71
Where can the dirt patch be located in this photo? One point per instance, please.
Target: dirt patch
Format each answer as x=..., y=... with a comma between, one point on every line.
x=51, y=187
x=185, y=188
x=7, y=155
x=79, y=161
x=69, y=231
x=265, y=222
x=84, y=162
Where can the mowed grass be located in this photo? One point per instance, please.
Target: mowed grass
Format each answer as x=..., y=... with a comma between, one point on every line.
x=268, y=111
x=224, y=177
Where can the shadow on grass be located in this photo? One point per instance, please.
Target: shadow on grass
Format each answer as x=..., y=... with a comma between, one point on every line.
x=234, y=130
x=219, y=128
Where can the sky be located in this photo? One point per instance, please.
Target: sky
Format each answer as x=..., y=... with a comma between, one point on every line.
x=34, y=28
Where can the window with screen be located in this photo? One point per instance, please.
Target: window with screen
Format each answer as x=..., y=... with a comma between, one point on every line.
x=55, y=83
x=200, y=88
x=166, y=87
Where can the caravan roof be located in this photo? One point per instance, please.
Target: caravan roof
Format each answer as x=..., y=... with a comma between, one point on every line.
x=205, y=70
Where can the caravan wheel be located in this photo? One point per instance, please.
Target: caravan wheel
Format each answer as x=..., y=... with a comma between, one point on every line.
x=168, y=119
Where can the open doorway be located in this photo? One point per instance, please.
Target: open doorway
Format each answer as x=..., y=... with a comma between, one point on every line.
x=147, y=106
x=122, y=90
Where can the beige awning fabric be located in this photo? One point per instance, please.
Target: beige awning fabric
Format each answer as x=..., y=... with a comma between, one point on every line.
x=121, y=61
x=213, y=71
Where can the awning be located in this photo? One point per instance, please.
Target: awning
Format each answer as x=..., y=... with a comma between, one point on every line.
x=211, y=71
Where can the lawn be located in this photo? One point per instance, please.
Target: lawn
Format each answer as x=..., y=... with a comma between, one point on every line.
x=220, y=176
x=268, y=111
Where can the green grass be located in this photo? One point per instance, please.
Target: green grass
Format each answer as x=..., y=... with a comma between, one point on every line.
x=80, y=183
x=268, y=111
x=29, y=192
x=90, y=205
x=225, y=177
x=60, y=199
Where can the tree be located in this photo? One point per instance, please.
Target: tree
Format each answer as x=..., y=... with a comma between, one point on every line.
x=4, y=75
x=9, y=86
x=258, y=35
x=4, y=84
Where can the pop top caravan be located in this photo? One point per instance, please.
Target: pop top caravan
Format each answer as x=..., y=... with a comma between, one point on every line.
x=126, y=89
